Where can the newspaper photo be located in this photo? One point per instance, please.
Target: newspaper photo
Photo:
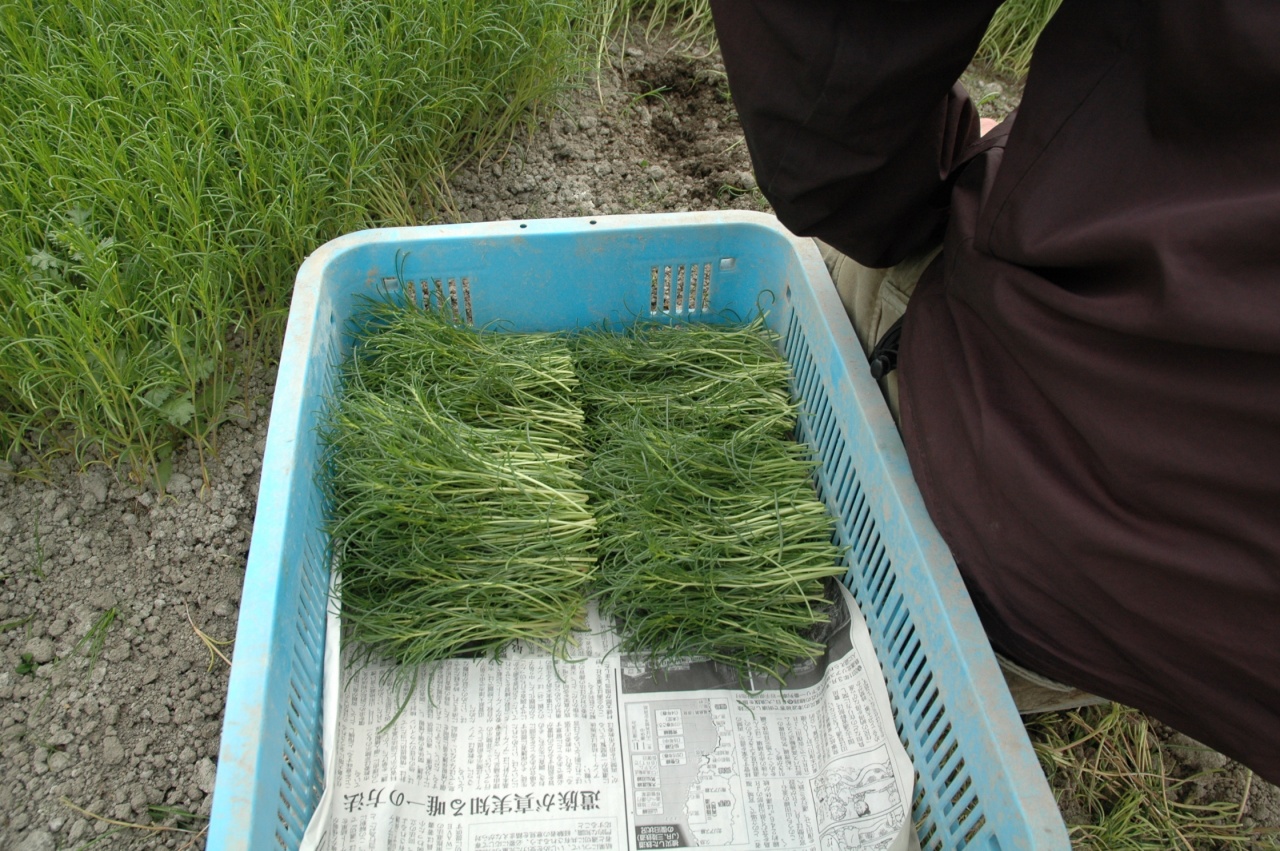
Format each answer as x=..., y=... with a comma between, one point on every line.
x=607, y=753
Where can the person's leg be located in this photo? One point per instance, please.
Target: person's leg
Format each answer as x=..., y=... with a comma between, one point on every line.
x=874, y=300
x=1033, y=694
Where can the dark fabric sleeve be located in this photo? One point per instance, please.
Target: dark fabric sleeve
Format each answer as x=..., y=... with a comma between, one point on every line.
x=852, y=113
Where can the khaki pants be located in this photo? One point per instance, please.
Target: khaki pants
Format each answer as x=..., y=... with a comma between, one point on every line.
x=874, y=300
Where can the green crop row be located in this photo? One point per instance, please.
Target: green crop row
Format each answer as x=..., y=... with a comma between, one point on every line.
x=165, y=166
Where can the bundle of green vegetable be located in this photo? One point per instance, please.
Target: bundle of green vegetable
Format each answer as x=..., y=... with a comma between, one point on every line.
x=454, y=475
x=713, y=541
x=705, y=378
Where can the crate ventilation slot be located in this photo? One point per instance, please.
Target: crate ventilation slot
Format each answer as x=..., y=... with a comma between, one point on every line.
x=679, y=289
x=451, y=296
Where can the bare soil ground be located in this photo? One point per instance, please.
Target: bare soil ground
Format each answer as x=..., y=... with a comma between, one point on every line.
x=113, y=599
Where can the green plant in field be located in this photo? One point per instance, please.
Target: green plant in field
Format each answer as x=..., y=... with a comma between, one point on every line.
x=183, y=822
x=47, y=747
x=689, y=20
x=165, y=166
x=1011, y=37
x=96, y=638
x=14, y=624
x=26, y=665
x=728, y=191
x=182, y=819
x=651, y=93
x=1116, y=786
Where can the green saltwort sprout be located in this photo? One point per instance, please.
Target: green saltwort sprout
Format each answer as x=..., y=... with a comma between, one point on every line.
x=482, y=485
x=459, y=517
x=713, y=541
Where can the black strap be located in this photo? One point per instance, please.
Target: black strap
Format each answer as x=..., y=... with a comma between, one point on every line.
x=884, y=356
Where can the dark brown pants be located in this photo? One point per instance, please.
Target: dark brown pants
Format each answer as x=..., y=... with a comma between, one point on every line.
x=874, y=300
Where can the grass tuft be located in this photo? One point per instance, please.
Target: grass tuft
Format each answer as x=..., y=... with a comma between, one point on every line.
x=688, y=20
x=165, y=166
x=95, y=639
x=1120, y=790
x=1011, y=37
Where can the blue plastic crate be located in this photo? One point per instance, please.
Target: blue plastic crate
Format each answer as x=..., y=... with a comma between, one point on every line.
x=978, y=784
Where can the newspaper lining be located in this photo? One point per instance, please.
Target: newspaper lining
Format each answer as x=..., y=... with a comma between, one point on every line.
x=603, y=753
